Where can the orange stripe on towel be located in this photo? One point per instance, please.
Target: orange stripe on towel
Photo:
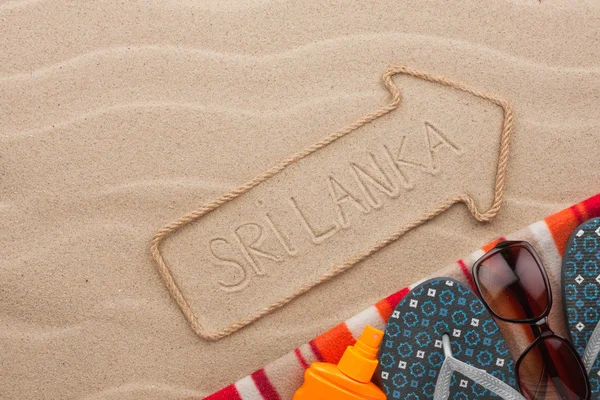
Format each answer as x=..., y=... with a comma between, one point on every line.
x=492, y=244
x=332, y=344
x=561, y=225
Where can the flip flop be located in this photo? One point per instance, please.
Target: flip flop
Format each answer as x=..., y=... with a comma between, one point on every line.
x=581, y=296
x=442, y=343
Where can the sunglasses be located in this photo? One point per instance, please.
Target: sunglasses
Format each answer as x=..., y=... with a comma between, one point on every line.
x=514, y=287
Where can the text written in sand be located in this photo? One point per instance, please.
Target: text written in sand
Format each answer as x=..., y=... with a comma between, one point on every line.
x=266, y=241
x=244, y=255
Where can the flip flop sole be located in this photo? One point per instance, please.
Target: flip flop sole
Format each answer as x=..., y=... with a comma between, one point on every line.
x=411, y=353
x=581, y=290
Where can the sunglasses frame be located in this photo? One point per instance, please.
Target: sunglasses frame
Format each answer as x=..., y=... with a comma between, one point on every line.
x=499, y=248
x=546, y=334
x=541, y=331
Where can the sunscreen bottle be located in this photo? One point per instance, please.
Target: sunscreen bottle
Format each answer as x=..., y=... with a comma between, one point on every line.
x=351, y=378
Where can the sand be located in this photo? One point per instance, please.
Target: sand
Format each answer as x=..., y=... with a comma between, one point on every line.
x=120, y=117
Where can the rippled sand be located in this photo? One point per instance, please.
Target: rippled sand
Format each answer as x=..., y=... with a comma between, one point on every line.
x=117, y=118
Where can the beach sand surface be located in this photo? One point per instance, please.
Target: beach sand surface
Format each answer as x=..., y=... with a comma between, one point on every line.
x=118, y=118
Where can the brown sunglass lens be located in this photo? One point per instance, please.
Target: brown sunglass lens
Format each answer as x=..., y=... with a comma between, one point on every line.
x=512, y=284
x=551, y=370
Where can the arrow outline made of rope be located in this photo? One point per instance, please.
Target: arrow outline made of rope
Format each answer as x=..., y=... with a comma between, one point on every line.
x=396, y=98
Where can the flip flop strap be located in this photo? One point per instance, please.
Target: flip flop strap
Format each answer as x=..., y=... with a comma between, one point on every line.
x=592, y=349
x=490, y=382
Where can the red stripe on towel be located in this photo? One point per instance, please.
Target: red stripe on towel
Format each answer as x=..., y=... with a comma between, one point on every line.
x=264, y=386
x=228, y=393
x=579, y=212
x=315, y=350
x=387, y=305
x=301, y=358
x=394, y=299
x=467, y=274
x=592, y=206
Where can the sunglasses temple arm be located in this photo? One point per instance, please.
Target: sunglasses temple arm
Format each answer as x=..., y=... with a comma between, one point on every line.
x=537, y=332
x=551, y=372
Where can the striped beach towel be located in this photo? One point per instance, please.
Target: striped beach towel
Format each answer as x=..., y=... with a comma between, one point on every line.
x=281, y=378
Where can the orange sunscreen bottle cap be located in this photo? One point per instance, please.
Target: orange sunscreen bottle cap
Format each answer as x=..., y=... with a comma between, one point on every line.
x=351, y=378
x=359, y=361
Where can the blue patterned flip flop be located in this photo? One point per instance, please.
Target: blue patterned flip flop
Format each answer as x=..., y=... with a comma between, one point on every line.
x=581, y=296
x=442, y=343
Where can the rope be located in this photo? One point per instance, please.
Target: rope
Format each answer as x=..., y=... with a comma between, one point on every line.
x=175, y=291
